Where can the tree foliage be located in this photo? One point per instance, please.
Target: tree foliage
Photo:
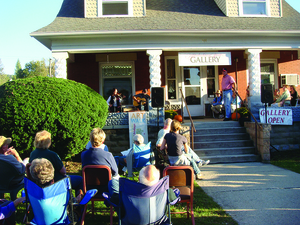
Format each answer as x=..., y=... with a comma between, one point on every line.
x=18, y=69
x=3, y=77
x=35, y=69
x=67, y=109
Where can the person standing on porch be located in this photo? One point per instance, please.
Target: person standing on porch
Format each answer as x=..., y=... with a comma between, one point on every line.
x=227, y=84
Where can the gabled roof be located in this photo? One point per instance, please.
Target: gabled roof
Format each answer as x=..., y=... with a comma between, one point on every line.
x=168, y=15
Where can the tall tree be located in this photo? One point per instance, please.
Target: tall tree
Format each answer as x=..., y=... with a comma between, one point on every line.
x=18, y=69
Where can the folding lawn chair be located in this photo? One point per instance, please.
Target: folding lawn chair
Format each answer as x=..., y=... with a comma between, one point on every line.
x=51, y=204
x=144, y=204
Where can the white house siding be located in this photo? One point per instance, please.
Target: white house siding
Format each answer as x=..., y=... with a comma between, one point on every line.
x=90, y=8
x=232, y=8
x=139, y=8
x=275, y=6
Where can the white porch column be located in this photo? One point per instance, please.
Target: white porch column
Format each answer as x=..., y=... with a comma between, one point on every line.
x=154, y=63
x=155, y=81
x=60, y=64
x=254, y=80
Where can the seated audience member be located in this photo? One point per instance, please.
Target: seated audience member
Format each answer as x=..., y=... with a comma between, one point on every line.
x=11, y=156
x=149, y=176
x=127, y=159
x=282, y=98
x=165, y=130
x=276, y=94
x=141, y=101
x=8, y=208
x=217, y=104
x=42, y=142
x=96, y=155
x=235, y=103
x=294, y=95
x=42, y=173
x=114, y=101
x=103, y=146
x=174, y=142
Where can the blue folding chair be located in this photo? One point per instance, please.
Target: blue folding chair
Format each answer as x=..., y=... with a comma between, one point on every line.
x=50, y=204
x=144, y=204
x=141, y=158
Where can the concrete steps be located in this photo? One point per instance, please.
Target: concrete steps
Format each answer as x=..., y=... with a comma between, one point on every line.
x=223, y=142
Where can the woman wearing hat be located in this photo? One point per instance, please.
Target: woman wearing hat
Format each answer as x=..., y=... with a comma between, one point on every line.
x=10, y=154
x=217, y=103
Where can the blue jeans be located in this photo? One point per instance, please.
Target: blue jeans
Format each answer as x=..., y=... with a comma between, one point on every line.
x=227, y=97
x=76, y=183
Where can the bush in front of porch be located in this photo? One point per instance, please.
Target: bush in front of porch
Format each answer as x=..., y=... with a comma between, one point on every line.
x=67, y=109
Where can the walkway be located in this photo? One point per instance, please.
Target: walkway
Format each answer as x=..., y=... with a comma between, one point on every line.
x=254, y=193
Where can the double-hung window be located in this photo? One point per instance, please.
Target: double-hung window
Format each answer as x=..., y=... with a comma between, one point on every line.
x=111, y=8
x=254, y=7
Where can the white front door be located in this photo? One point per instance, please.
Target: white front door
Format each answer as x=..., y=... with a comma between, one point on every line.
x=193, y=90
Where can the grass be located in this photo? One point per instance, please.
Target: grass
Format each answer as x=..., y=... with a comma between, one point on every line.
x=287, y=159
x=205, y=209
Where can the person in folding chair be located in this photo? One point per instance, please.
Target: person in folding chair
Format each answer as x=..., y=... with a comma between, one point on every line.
x=191, y=154
x=97, y=155
x=127, y=160
x=149, y=183
x=51, y=201
x=42, y=142
x=8, y=208
x=173, y=143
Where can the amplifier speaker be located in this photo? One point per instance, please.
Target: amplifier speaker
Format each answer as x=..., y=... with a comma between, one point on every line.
x=267, y=93
x=158, y=97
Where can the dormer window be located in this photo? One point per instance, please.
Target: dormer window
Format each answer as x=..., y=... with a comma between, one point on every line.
x=254, y=7
x=115, y=8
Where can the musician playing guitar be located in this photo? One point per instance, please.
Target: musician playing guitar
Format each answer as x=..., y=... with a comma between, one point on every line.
x=141, y=100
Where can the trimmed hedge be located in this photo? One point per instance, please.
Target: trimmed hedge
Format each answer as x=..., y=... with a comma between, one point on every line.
x=67, y=109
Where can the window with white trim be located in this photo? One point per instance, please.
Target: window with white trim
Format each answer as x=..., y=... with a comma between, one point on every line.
x=254, y=7
x=115, y=8
x=118, y=75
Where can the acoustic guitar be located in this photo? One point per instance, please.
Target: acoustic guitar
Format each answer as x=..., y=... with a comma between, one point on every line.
x=143, y=101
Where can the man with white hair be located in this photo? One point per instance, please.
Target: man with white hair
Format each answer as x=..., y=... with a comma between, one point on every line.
x=149, y=175
x=127, y=159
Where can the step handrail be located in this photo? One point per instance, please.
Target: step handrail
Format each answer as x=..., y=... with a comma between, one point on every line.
x=190, y=117
x=256, y=122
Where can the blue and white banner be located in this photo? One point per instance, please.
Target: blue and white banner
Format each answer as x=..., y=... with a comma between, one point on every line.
x=137, y=125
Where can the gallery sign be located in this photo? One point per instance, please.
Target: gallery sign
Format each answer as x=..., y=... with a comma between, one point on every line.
x=277, y=116
x=204, y=58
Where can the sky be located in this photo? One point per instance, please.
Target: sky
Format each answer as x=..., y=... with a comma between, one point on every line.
x=19, y=18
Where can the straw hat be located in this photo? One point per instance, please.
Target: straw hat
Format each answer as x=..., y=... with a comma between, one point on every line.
x=4, y=140
x=218, y=92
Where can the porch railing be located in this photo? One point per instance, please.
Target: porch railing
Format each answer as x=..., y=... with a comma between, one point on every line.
x=256, y=122
x=193, y=129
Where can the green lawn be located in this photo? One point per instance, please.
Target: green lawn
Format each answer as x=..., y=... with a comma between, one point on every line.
x=287, y=159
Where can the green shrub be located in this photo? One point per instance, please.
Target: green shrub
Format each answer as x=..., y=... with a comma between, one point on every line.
x=67, y=109
x=170, y=114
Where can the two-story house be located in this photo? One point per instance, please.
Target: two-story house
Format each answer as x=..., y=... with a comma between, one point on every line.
x=176, y=44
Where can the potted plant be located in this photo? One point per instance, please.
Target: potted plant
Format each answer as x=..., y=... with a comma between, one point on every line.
x=244, y=115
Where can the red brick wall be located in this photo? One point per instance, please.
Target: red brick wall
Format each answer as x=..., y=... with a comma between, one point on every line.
x=85, y=70
x=288, y=64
